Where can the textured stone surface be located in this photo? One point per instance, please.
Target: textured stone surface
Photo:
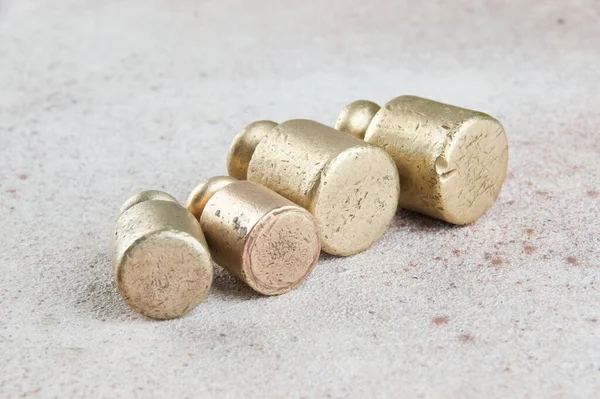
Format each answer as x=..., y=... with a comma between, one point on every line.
x=99, y=99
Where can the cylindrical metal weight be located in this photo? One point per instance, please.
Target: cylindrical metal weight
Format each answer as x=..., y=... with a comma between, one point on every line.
x=256, y=234
x=452, y=161
x=163, y=266
x=351, y=187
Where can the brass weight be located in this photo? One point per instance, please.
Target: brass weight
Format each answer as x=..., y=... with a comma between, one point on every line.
x=452, y=161
x=163, y=266
x=262, y=238
x=351, y=187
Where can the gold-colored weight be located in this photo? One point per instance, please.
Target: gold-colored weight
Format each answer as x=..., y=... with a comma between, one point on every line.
x=351, y=187
x=262, y=238
x=163, y=266
x=452, y=161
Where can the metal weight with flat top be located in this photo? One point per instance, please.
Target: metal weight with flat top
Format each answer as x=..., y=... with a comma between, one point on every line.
x=262, y=238
x=351, y=187
x=452, y=161
x=163, y=266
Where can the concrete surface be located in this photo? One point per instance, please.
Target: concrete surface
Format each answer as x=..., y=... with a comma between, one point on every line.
x=99, y=99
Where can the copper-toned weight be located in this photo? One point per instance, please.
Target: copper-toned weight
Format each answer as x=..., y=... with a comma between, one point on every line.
x=452, y=161
x=351, y=187
x=262, y=238
x=163, y=266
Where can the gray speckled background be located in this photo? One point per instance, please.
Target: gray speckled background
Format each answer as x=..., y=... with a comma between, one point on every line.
x=99, y=99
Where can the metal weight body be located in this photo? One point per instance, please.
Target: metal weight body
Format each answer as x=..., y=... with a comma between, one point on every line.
x=163, y=265
x=351, y=187
x=452, y=161
x=256, y=234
